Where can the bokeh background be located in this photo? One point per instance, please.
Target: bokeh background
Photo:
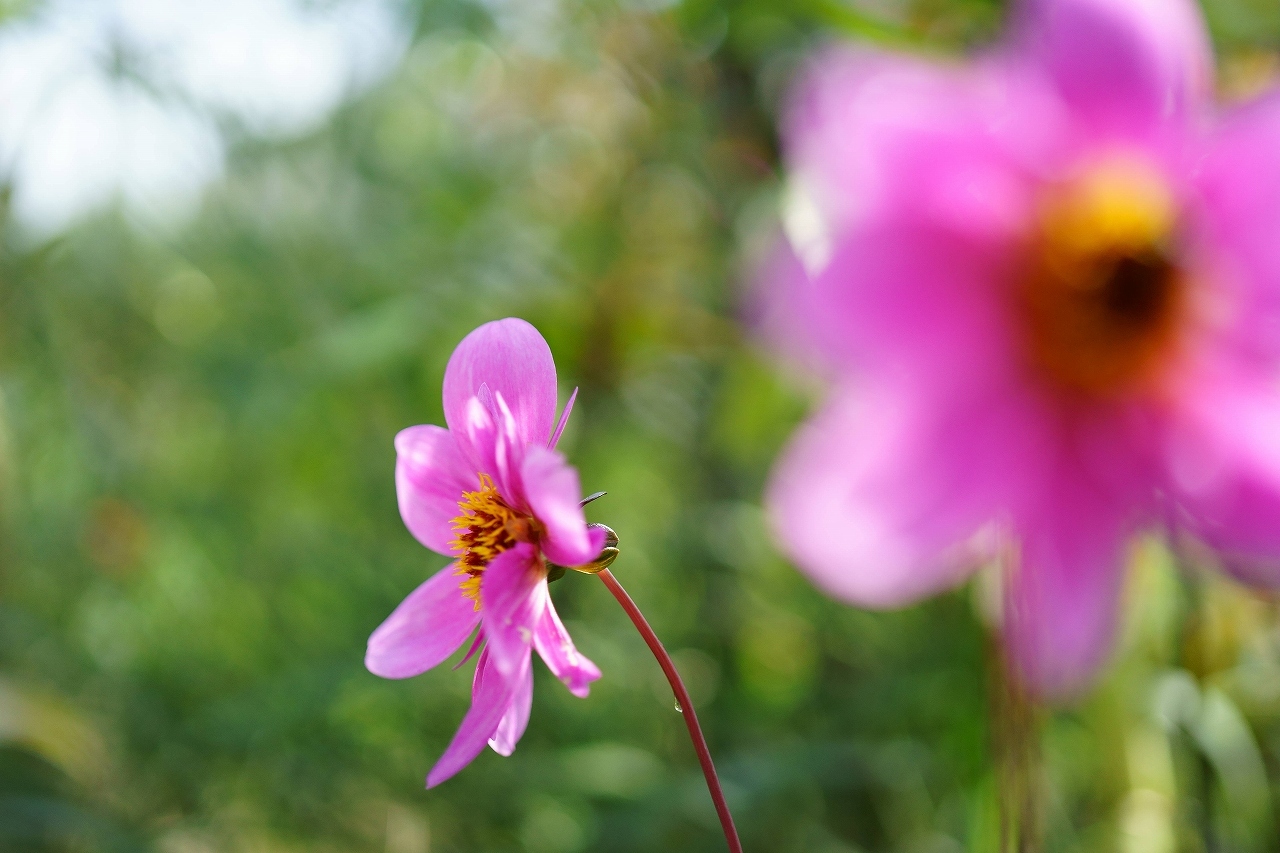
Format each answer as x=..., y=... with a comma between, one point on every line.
x=239, y=242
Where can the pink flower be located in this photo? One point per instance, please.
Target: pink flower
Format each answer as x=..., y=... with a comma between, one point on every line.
x=491, y=491
x=1046, y=285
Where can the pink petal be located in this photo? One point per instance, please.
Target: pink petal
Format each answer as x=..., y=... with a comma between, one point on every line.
x=491, y=444
x=1126, y=67
x=884, y=499
x=431, y=476
x=491, y=696
x=563, y=659
x=1224, y=457
x=923, y=194
x=477, y=643
x=513, y=595
x=564, y=420
x=511, y=358
x=1240, y=520
x=869, y=135
x=1062, y=599
x=779, y=309
x=1225, y=473
x=915, y=301
x=509, y=456
x=553, y=492
x=1239, y=186
x=516, y=719
x=426, y=628
x=477, y=437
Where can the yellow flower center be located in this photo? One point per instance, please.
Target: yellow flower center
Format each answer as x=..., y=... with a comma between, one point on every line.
x=486, y=527
x=1102, y=298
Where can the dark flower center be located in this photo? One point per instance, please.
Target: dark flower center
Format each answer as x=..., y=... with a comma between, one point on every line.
x=1102, y=299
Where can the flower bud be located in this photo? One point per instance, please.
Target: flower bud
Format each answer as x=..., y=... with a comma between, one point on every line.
x=607, y=556
x=599, y=564
x=610, y=538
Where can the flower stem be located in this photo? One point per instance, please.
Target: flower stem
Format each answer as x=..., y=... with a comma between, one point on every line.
x=684, y=703
x=1015, y=734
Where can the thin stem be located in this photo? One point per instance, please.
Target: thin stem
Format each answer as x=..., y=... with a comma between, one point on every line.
x=1191, y=646
x=1015, y=743
x=1015, y=735
x=685, y=704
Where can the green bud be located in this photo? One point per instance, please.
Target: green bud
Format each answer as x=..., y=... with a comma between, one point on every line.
x=599, y=564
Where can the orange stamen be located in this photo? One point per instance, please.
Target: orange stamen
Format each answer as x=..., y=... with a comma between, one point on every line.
x=486, y=527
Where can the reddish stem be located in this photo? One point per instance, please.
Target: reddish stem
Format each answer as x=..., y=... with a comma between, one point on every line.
x=685, y=703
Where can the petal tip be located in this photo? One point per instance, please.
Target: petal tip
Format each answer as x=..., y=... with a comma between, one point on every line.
x=503, y=749
x=508, y=356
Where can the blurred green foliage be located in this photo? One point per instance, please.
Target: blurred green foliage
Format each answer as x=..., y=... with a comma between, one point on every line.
x=199, y=527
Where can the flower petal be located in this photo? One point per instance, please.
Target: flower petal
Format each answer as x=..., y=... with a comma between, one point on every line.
x=564, y=420
x=516, y=719
x=491, y=696
x=914, y=301
x=509, y=357
x=477, y=643
x=1062, y=599
x=778, y=307
x=1239, y=186
x=563, y=659
x=1125, y=67
x=552, y=489
x=477, y=437
x=513, y=595
x=882, y=499
x=1241, y=521
x=918, y=204
x=431, y=476
x=1225, y=472
x=509, y=455
x=1224, y=456
x=869, y=135
x=426, y=628
x=490, y=442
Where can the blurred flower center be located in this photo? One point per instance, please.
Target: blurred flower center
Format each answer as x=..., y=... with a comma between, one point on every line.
x=1103, y=298
x=486, y=528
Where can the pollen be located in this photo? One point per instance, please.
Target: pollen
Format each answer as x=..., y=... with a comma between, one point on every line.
x=1102, y=296
x=485, y=527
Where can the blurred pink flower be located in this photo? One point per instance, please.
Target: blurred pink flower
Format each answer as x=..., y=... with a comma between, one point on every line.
x=491, y=491
x=1046, y=287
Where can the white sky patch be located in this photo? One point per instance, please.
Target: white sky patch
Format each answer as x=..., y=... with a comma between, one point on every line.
x=105, y=100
